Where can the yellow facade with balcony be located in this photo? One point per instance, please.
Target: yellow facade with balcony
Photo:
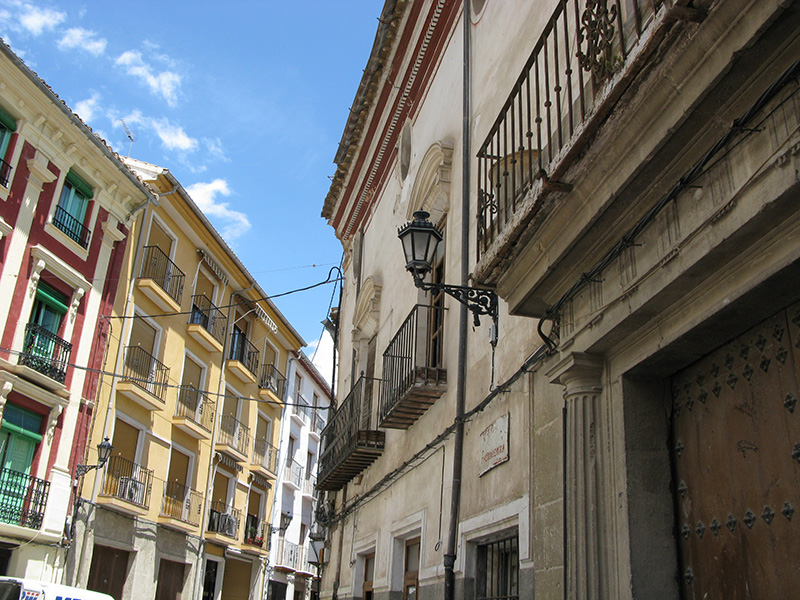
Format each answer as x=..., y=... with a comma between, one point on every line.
x=191, y=400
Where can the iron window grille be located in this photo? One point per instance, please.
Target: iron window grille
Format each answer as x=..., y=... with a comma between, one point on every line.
x=498, y=570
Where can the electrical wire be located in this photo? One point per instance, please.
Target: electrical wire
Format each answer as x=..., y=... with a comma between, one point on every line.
x=232, y=305
x=11, y=352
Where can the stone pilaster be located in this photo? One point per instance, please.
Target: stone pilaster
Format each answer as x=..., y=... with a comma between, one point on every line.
x=580, y=374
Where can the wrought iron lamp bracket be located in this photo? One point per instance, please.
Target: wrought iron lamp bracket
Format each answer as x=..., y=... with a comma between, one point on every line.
x=478, y=301
x=81, y=470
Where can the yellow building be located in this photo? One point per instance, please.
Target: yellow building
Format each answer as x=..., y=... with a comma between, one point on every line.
x=191, y=400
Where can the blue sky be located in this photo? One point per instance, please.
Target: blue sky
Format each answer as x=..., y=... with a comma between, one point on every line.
x=243, y=101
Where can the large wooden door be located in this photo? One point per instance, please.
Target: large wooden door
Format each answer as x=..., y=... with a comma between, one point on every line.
x=108, y=571
x=170, y=580
x=736, y=448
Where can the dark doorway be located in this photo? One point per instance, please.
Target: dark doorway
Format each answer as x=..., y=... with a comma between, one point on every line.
x=108, y=571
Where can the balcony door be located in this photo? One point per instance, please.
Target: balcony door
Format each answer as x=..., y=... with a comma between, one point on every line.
x=19, y=436
x=142, y=350
x=253, y=532
x=204, y=287
x=177, y=485
x=192, y=384
x=44, y=326
x=369, y=385
x=161, y=274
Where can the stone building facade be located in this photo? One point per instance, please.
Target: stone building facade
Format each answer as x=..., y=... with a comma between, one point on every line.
x=623, y=175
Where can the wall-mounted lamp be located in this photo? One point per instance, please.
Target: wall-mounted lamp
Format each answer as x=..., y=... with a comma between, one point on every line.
x=420, y=240
x=104, y=449
x=286, y=520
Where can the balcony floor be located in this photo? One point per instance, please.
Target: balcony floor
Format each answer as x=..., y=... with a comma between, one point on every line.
x=368, y=446
x=428, y=385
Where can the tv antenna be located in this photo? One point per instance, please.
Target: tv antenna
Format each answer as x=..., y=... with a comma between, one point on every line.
x=130, y=136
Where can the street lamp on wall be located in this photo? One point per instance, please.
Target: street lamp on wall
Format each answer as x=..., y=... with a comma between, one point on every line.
x=420, y=240
x=104, y=449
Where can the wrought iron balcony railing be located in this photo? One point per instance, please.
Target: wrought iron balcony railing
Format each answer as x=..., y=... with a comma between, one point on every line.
x=195, y=406
x=5, y=173
x=205, y=314
x=71, y=226
x=287, y=554
x=302, y=409
x=244, y=351
x=293, y=472
x=256, y=531
x=234, y=433
x=182, y=503
x=23, y=499
x=319, y=422
x=126, y=480
x=265, y=454
x=308, y=484
x=272, y=379
x=554, y=101
x=158, y=267
x=224, y=520
x=304, y=556
x=351, y=439
x=45, y=352
x=145, y=371
x=413, y=371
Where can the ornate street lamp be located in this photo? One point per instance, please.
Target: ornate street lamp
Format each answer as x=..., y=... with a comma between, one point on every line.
x=104, y=449
x=420, y=240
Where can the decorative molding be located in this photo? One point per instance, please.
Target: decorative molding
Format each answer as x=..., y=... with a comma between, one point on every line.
x=52, y=419
x=367, y=310
x=76, y=300
x=59, y=268
x=36, y=274
x=5, y=228
x=29, y=389
x=431, y=190
x=5, y=390
x=111, y=233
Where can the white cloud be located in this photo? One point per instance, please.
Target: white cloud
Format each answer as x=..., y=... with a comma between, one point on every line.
x=321, y=352
x=214, y=149
x=36, y=20
x=235, y=223
x=165, y=84
x=77, y=37
x=173, y=136
x=86, y=108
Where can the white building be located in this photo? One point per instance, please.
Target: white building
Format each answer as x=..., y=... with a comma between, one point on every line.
x=292, y=574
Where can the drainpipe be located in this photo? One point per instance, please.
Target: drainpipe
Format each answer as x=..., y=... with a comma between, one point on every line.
x=458, y=441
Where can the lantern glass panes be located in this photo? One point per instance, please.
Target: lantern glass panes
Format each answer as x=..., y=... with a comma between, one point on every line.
x=104, y=449
x=420, y=240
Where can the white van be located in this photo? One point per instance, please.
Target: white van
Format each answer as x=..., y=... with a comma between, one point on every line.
x=14, y=588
